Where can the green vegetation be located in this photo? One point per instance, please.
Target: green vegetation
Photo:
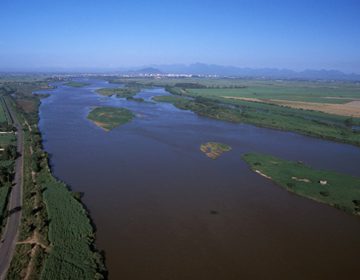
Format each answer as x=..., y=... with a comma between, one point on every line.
x=127, y=92
x=56, y=236
x=8, y=155
x=136, y=99
x=286, y=91
x=17, y=270
x=338, y=190
x=214, y=150
x=7, y=139
x=110, y=117
x=4, y=193
x=76, y=84
x=3, y=114
x=312, y=91
x=310, y=123
x=71, y=235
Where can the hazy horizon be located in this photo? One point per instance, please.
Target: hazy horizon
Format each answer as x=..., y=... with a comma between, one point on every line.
x=248, y=34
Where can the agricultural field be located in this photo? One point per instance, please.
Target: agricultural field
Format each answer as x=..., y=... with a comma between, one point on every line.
x=306, y=92
x=110, y=117
x=337, y=190
x=339, y=99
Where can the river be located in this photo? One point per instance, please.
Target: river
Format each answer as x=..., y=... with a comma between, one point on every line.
x=152, y=194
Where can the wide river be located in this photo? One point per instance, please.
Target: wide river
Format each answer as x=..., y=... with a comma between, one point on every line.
x=152, y=193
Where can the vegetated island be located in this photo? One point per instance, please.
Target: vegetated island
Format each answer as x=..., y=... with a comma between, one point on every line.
x=214, y=150
x=338, y=190
x=76, y=84
x=110, y=117
x=126, y=92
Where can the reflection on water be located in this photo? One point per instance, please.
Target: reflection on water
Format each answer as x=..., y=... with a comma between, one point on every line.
x=151, y=193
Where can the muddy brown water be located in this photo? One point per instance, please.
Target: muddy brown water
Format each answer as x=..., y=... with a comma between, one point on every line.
x=163, y=210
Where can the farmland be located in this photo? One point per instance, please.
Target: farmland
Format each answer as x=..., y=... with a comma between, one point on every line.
x=210, y=102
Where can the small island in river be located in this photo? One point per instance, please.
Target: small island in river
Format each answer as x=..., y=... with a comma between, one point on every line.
x=110, y=117
x=213, y=149
x=126, y=92
x=338, y=190
x=76, y=84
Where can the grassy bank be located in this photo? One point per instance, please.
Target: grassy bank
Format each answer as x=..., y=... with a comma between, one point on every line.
x=110, y=117
x=71, y=235
x=338, y=190
x=310, y=123
x=56, y=239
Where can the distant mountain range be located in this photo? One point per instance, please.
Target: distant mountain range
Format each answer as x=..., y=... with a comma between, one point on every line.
x=273, y=73
x=204, y=69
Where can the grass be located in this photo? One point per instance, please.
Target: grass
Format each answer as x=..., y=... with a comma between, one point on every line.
x=19, y=262
x=76, y=84
x=7, y=139
x=338, y=190
x=214, y=150
x=305, y=92
x=313, y=91
x=110, y=117
x=127, y=92
x=71, y=236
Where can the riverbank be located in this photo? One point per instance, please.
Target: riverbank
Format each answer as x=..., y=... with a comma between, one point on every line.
x=56, y=238
x=308, y=123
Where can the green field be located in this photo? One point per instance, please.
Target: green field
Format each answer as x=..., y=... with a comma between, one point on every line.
x=296, y=92
x=7, y=139
x=338, y=190
x=76, y=84
x=309, y=91
x=110, y=117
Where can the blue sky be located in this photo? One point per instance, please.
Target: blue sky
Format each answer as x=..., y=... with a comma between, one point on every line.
x=107, y=33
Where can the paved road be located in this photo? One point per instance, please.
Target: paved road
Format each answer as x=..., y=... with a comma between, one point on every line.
x=10, y=234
